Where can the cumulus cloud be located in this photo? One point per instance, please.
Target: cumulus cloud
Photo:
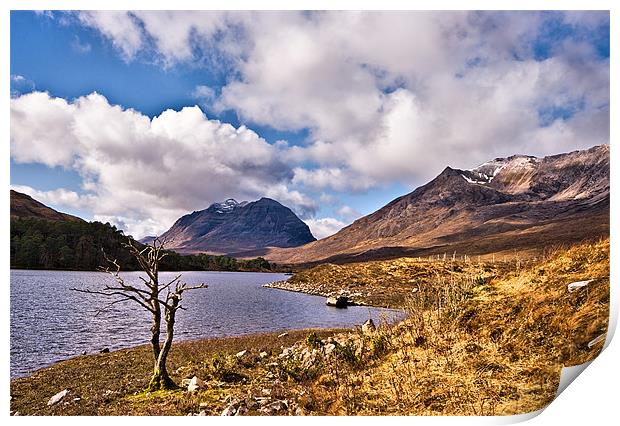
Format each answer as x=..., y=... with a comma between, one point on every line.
x=384, y=96
x=147, y=172
x=392, y=95
x=324, y=227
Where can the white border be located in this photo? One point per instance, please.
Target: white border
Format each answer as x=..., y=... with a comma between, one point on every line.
x=592, y=399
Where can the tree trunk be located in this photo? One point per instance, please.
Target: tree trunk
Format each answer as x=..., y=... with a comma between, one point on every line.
x=161, y=379
x=155, y=330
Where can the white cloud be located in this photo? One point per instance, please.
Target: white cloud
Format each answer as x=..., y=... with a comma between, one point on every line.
x=58, y=197
x=348, y=213
x=324, y=227
x=389, y=95
x=147, y=173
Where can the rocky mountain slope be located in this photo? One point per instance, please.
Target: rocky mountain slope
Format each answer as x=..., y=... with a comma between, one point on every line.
x=238, y=228
x=24, y=206
x=508, y=204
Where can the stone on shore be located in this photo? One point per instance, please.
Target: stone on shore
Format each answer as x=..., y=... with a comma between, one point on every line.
x=194, y=384
x=338, y=302
x=369, y=327
x=58, y=397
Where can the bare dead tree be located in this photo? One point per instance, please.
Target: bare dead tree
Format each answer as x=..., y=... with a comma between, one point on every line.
x=150, y=297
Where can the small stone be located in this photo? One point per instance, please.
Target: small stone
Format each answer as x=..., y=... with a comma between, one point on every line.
x=241, y=354
x=230, y=410
x=202, y=413
x=77, y=399
x=194, y=384
x=84, y=352
x=263, y=355
x=369, y=327
x=203, y=405
x=58, y=397
x=329, y=348
x=104, y=351
x=282, y=335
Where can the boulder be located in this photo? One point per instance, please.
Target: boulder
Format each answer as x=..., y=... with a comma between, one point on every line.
x=194, y=384
x=369, y=327
x=338, y=302
x=58, y=397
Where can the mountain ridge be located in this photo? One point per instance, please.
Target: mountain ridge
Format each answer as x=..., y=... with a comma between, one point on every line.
x=481, y=210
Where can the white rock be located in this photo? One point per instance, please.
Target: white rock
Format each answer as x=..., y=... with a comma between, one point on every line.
x=599, y=339
x=329, y=348
x=194, y=384
x=577, y=285
x=282, y=335
x=56, y=398
x=263, y=355
x=241, y=354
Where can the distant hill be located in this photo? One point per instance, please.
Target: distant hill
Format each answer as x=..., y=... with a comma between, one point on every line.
x=42, y=238
x=23, y=205
x=515, y=203
x=237, y=228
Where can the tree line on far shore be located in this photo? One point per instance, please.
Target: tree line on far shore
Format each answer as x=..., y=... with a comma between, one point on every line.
x=44, y=244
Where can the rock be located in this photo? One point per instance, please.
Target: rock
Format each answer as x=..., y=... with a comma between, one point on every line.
x=369, y=327
x=329, y=348
x=577, y=285
x=599, y=339
x=104, y=351
x=230, y=410
x=263, y=355
x=338, y=302
x=274, y=407
x=203, y=405
x=194, y=384
x=84, y=352
x=241, y=354
x=282, y=335
x=58, y=397
x=202, y=413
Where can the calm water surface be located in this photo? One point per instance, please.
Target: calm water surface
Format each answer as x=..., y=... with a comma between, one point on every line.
x=49, y=322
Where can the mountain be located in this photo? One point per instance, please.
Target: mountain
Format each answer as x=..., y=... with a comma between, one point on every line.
x=23, y=206
x=238, y=228
x=518, y=203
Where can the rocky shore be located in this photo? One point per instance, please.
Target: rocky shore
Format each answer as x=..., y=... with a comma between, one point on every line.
x=387, y=283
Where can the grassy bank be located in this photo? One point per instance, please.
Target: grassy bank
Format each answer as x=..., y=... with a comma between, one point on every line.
x=485, y=339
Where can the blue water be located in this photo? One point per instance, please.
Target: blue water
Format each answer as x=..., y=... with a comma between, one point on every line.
x=50, y=322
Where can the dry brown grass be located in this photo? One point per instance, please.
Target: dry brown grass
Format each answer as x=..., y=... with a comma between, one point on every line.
x=488, y=347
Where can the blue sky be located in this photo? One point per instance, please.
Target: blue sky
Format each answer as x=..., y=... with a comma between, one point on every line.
x=343, y=115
